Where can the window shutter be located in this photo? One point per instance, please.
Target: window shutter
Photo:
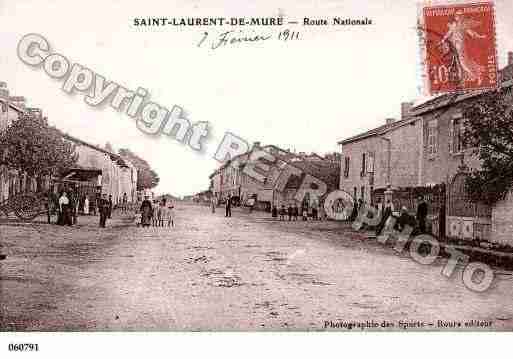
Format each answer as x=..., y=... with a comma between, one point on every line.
x=451, y=136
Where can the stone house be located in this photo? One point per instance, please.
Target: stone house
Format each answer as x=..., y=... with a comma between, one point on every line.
x=96, y=167
x=423, y=149
x=230, y=178
x=386, y=155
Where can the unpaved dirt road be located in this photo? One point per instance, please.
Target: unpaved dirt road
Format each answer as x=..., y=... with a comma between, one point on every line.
x=247, y=272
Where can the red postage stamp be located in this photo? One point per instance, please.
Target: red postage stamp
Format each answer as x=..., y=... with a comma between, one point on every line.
x=460, y=47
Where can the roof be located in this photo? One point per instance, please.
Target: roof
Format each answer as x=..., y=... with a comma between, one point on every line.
x=328, y=172
x=379, y=130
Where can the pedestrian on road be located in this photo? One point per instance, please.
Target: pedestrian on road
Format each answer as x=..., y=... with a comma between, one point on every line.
x=154, y=213
x=405, y=220
x=110, y=206
x=387, y=212
x=64, y=210
x=228, y=207
x=170, y=215
x=125, y=202
x=146, y=211
x=161, y=213
x=213, y=204
x=296, y=212
x=103, y=207
x=283, y=212
x=422, y=211
x=290, y=212
x=86, y=205
x=274, y=211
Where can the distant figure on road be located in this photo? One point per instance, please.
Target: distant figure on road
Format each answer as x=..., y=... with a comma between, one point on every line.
x=274, y=211
x=213, y=204
x=170, y=215
x=125, y=200
x=405, y=220
x=86, y=205
x=295, y=212
x=146, y=212
x=110, y=206
x=64, y=211
x=103, y=208
x=290, y=212
x=228, y=207
x=283, y=212
x=161, y=213
x=422, y=211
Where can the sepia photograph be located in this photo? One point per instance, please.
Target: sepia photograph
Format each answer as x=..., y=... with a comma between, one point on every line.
x=306, y=167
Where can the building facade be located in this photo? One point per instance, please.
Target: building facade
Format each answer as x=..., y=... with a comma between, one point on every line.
x=96, y=166
x=423, y=149
x=387, y=155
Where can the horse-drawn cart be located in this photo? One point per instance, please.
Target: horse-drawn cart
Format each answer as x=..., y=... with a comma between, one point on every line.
x=26, y=206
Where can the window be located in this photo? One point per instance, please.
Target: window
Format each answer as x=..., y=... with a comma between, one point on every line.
x=370, y=163
x=432, y=137
x=346, y=167
x=456, y=136
x=362, y=173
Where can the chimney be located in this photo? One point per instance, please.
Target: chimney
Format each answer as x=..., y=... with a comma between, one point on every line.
x=405, y=109
x=389, y=121
x=256, y=144
x=510, y=58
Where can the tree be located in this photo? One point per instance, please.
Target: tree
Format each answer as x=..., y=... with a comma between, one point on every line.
x=146, y=177
x=31, y=146
x=489, y=131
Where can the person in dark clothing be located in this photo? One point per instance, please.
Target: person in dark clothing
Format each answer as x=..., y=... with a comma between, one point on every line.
x=283, y=212
x=405, y=220
x=290, y=212
x=103, y=207
x=387, y=212
x=146, y=212
x=274, y=213
x=110, y=206
x=228, y=207
x=296, y=212
x=422, y=211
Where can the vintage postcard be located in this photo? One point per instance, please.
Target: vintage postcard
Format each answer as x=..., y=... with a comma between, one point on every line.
x=179, y=166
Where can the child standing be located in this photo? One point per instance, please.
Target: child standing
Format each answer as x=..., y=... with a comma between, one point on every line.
x=170, y=215
x=305, y=214
x=283, y=212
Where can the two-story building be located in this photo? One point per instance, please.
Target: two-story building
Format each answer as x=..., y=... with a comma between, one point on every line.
x=388, y=155
x=231, y=180
x=96, y=168
x=423, y=149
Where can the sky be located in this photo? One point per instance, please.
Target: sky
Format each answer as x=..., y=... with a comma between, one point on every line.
x=303, y=95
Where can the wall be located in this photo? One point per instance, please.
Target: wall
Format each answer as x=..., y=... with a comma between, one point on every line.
x=502, y=221
x=406, y=142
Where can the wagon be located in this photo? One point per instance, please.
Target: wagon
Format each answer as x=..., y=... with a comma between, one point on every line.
x=26, y=206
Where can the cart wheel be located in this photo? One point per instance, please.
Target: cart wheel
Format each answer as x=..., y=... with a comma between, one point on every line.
x=28, y=207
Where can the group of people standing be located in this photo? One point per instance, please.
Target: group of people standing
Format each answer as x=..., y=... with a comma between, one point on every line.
x=293, y=212
x=157, y=214
x=418, y=223
x=67, y=208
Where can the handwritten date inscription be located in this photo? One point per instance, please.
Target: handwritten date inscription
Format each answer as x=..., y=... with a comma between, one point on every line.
x=230, y=38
